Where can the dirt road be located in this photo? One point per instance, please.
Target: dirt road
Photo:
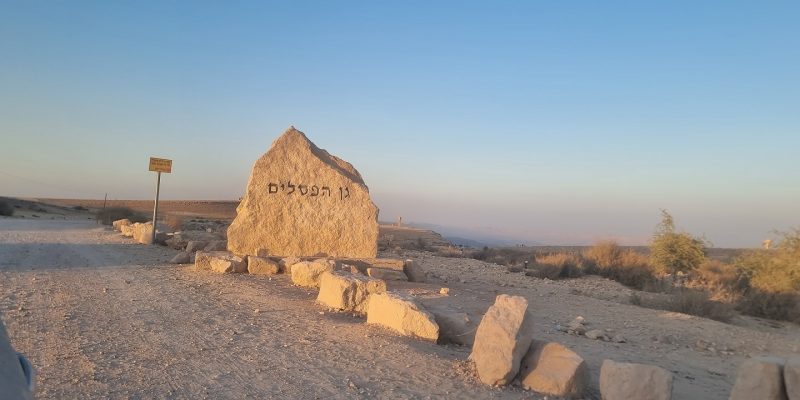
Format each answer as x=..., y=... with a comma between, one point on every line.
x=101, y=317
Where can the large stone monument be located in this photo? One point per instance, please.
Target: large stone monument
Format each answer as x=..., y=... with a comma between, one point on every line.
x=302, y=201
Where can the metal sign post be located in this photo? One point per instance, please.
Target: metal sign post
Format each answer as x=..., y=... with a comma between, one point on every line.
x=158, y=165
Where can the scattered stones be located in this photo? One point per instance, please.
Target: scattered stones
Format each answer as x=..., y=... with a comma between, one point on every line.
x=262, y=266
x=297, y=190
x=624, y=381
x=220, y=262
x=502, y=339
x=348, y=292
x=594, y=334
x=618, y=339
x=402, y=314
x=386, y=274
x=760, y=378
x=555, y=370
x=175, y=242
x=181, y=258
x=414, y=271
x=307, y=273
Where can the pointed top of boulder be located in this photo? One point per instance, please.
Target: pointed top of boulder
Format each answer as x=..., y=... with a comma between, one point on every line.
x=293, y=139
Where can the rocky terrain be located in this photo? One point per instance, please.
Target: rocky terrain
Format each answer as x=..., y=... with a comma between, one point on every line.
x=95, y=313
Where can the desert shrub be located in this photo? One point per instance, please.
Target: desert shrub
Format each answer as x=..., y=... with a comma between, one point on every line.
x=776, y=270
x=780, y=306
x=449, y=251
x=504, y=256
x=558, y=266
x=112, y=214
x=671, y=251
x=697, y=302
x=5, y=208
x=80, y=208
x=604, y=254
x=627, y=267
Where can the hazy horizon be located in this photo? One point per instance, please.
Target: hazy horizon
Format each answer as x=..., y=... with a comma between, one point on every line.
x=555, y=123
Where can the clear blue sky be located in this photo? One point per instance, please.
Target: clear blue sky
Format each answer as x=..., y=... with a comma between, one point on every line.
x=561, y=122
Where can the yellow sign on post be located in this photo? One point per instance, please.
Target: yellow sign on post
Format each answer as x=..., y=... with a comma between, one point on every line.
x=160, y=165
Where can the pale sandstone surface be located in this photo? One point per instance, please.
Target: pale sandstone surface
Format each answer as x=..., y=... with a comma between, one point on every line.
x=308, y=273
x=760, y=378
x=553, y=369
x=625, y=381
x=403, y=315
x=347, y=292
x=297, y=190
x=262, y=266
x=386, y=274
x=503, y=337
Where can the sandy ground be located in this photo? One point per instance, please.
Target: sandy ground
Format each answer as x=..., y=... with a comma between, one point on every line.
x=101, y=317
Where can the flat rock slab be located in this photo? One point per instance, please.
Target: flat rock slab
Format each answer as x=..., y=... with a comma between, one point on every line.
x=503, y=337
x=414, y=271
x=386, y=274
x=222, y=262
x=403, y=315
x=362, y=264
x=181, y=258
x=262, y=266
x=625, y=381
x=454, y=326
x=308, y=273
x=760, y=378
x=302, y=201
x=216, y=245
x=553, y=369
x=348, y=292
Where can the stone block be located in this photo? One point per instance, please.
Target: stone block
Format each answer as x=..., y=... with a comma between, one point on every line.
x=348, y=292
x=403, y=315
x=760, y=378
x=625, y=381
x=554, y=370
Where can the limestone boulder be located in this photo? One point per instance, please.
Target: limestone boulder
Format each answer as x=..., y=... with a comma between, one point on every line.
x=143, y=233
x=262, y=266
x=363, y=264
x=791, y=378
x=502, y=339
x=403, y=315
x=126, y=230
x=414, y=271
x=181, y=258
x=553, y=369
x=624, y=381
x=308, y=273
x=302, y=201
x=222, y=262
x=760, y=378
x=386, y=274
x=348, y=292
x=117, y=225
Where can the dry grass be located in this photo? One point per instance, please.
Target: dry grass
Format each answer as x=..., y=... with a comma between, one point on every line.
x=687, y=301
x=628, y=267
x=558, y=266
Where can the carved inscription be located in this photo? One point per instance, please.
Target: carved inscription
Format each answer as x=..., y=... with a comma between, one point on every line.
x=305, y=190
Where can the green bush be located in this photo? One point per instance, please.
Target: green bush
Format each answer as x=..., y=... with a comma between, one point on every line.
x=776, y=270
x=112, y=214
x=671, y=251
x=5, y=208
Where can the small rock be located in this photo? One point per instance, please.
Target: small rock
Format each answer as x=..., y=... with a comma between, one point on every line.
x=618, y=339
x=445, y=291
x=594, y=334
